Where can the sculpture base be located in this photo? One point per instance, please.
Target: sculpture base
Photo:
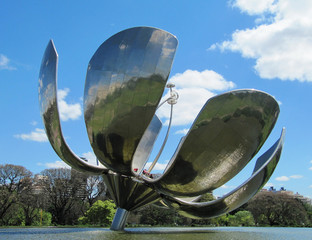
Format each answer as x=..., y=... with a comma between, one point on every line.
x=120, y=219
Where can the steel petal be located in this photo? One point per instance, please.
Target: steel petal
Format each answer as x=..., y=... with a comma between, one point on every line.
x=228, y=132
x=50, y=114
x=145, y=146
x=264, y=168
x=125, y=81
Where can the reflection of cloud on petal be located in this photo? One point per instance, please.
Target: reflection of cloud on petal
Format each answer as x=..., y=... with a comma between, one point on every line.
x=182, y=131
x=91, y=158
x=158, y=166
x=227, y=187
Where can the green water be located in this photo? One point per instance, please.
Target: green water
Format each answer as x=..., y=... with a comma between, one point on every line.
x=221, y=233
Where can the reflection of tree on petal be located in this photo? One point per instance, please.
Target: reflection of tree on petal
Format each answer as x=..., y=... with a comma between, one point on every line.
x=125, y=81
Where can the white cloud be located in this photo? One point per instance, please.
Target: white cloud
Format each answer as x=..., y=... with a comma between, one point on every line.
x=282, y=179
x=206, y=79
x=38, y=135
x=253, y=7
x=285, y=178
x=310, y=168
x=268, y=185
x=296, y=176
x=67, y=111
x=5, y=63
x=182, y=131
x=278, y=101
x=281, y=45
x=56, y=164
x=310, y=186
x=194, y=89
x=34, y=123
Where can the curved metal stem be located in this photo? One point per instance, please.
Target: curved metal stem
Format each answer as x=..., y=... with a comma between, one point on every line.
x=164, y=143
x=163, y=102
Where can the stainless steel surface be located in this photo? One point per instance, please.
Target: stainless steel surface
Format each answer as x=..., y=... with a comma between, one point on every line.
x=120, y=219
x=264, y=168
x=228, y=132
x=125, y=81
x=145, y=146
x=128, y=192
x=50, y=115
x=163, y=144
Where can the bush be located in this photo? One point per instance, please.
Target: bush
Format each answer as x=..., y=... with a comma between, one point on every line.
x=42, y=218
x=244, y=218
x=101, y=213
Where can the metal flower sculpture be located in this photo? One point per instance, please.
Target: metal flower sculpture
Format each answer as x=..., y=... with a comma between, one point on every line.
x=125, y=81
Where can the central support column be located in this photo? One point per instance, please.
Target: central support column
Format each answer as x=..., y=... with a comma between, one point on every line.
x=120, y=219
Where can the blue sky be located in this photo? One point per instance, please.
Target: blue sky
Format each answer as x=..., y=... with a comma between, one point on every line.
x=223, y=45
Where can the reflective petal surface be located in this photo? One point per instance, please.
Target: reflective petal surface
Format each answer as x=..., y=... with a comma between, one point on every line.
x=129, y=193
x=50, y=115
x=125, y=81
x=145, y=146
x=264, y=168
x=228, y=132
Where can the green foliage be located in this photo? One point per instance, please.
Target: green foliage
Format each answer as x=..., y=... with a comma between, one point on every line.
x=151, y=215
x=308, y=208
x=241, y=218
x=278, y=209
x=101, y=213
x=15, y=216
x=207, y=197
x=244, y=218
x=42, y=218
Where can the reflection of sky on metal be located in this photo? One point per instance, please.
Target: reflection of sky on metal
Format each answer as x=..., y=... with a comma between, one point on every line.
x=264, y=168
x=50, y=114
x=127, y=74
x=124, y=84
x=225, y=136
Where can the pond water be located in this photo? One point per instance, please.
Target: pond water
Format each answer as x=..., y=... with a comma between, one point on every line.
x=219, y=233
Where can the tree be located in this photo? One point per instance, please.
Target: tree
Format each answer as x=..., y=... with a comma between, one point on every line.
x=66, y=191
x=243, y=218
x=101, y=213
x=95, y=188
x=32, y=199
x=308, y=208
x=152, y=215
x=277, y=209
x=13, y=179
